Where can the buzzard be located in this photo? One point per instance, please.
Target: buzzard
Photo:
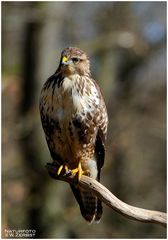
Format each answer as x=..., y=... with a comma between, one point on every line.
x=74, y=119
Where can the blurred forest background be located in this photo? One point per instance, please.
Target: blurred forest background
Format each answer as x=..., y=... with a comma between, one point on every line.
x=126, y=42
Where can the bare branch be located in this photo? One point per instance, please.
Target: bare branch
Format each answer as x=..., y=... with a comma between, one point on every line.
x=109, y=199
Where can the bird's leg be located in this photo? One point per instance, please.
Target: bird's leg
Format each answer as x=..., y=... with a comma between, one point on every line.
x=79, y=171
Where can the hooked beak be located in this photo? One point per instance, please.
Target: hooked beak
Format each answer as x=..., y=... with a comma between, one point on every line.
x=65, y=61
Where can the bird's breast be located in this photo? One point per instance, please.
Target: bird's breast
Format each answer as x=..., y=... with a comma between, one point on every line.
x=71, y=109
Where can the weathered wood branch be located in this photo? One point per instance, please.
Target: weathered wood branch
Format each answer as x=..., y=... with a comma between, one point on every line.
x=109, y=199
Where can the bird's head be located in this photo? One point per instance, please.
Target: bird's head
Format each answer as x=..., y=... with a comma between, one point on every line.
x=74, y=61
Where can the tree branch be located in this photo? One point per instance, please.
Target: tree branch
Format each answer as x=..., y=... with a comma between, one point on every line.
x=89, y=184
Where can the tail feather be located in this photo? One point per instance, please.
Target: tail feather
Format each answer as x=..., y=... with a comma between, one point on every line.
x=99, y=211
x=90, y=206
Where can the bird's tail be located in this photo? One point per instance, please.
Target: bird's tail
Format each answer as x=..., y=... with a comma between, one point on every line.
x=90, y=206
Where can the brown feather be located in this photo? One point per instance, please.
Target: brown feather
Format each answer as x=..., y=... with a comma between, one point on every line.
x=74, y=119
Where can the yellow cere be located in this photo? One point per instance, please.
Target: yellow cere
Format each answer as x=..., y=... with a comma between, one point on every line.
x=64, y=59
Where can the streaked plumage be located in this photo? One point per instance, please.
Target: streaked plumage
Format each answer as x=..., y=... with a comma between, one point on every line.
x=74, y=119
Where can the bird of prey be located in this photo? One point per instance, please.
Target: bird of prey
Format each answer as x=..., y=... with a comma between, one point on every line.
x=74, y=119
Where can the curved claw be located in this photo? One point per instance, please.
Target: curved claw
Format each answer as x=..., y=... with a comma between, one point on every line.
x=78, y=171
x=65, y=167
x=60, y=170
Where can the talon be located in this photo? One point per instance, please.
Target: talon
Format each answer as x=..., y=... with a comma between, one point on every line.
x=78, y=171
x=74, y=171
x=65, y=167
x=60, y=170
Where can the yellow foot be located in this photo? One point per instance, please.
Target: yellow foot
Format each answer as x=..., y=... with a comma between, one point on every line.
x=64, y=166
x=78, y=171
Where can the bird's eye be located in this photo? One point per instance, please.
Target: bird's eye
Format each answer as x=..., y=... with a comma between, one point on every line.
x=76, y=60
